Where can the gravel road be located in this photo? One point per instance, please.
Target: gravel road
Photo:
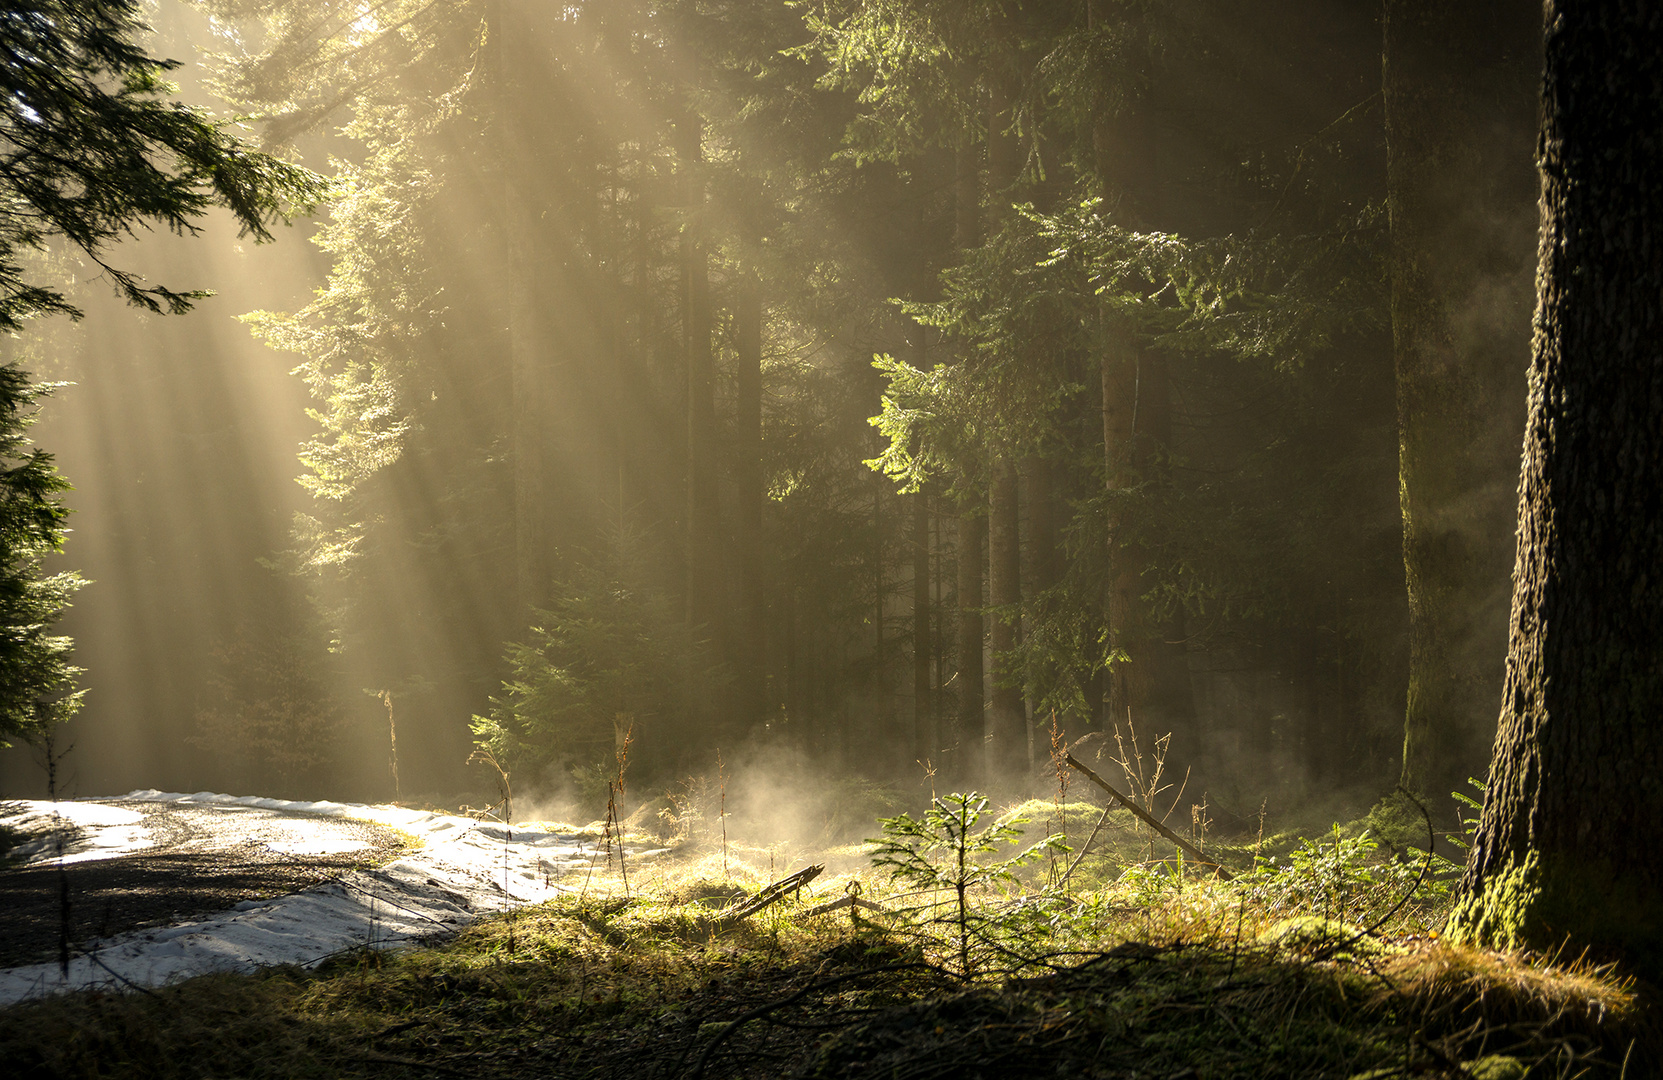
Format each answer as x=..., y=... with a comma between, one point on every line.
x=204, y=859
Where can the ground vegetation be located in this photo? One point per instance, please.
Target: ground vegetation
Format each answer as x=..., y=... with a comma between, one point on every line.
x=1315, y=960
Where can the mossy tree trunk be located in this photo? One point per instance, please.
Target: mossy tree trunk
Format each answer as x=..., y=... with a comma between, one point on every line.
x=1567, y=846
x=1457, y=81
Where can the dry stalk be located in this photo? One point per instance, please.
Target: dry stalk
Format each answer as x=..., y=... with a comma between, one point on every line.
x=722, y=809
x=483, y=756
x=1059, y=764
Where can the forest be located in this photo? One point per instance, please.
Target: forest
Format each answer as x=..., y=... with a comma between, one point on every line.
x=826, y=405
x=881, y=381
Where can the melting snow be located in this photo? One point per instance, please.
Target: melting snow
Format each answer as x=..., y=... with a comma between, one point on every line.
x=464, y=869
x=93, y=831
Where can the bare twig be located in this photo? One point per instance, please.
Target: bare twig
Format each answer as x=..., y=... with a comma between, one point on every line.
x=1078, y=859
x=1148, y=819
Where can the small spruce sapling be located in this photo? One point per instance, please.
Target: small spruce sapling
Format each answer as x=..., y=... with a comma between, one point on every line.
x=943, y=852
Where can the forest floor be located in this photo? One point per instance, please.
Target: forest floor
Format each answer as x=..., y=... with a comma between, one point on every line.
x=1319, y=961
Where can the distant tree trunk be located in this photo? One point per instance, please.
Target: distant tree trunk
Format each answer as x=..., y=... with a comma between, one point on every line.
x=972, y=526
x=971, y=557
x=925, y=737
x=1042, y=574
x=1007, y=718
x=1150, y=681
x=750, y=636
x=1566, y=851
x=1458, y=124
x=1042, y=525
x=704, y=561
x=878, y=485
x=1171, y=702
x=531, y=569
x=1128, y=679
x=1003, y=157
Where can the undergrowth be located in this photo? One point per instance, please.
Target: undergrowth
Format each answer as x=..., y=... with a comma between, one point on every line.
x=972, y=951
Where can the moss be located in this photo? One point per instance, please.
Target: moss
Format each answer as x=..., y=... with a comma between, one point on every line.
x=1310, y=935
x=1492, y=1067
x=1551, y=902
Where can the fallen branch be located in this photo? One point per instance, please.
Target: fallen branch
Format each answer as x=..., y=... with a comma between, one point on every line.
x=779, y=890
x=1147, y=819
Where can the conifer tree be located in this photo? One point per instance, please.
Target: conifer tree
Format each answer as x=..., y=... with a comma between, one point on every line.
x=92, y=150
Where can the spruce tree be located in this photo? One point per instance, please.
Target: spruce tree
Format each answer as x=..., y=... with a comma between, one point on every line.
x=91, y=151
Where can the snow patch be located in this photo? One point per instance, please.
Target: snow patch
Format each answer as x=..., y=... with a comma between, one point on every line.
x=89, y=830
x=463, y=870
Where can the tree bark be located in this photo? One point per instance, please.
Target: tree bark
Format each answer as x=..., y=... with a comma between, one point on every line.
x=1458, y=124
x=1566, y=847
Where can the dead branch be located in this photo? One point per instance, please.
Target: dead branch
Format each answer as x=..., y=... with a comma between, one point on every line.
x=1148, y=819
x=779, y=890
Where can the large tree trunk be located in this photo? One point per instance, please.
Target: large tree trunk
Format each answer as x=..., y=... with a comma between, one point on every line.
x=1567, y=847
x=1458, y=128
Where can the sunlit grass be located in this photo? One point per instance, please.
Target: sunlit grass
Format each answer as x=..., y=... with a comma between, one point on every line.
x=1307, y=967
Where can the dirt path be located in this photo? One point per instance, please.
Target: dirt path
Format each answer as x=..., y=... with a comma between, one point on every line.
x=205, y=859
